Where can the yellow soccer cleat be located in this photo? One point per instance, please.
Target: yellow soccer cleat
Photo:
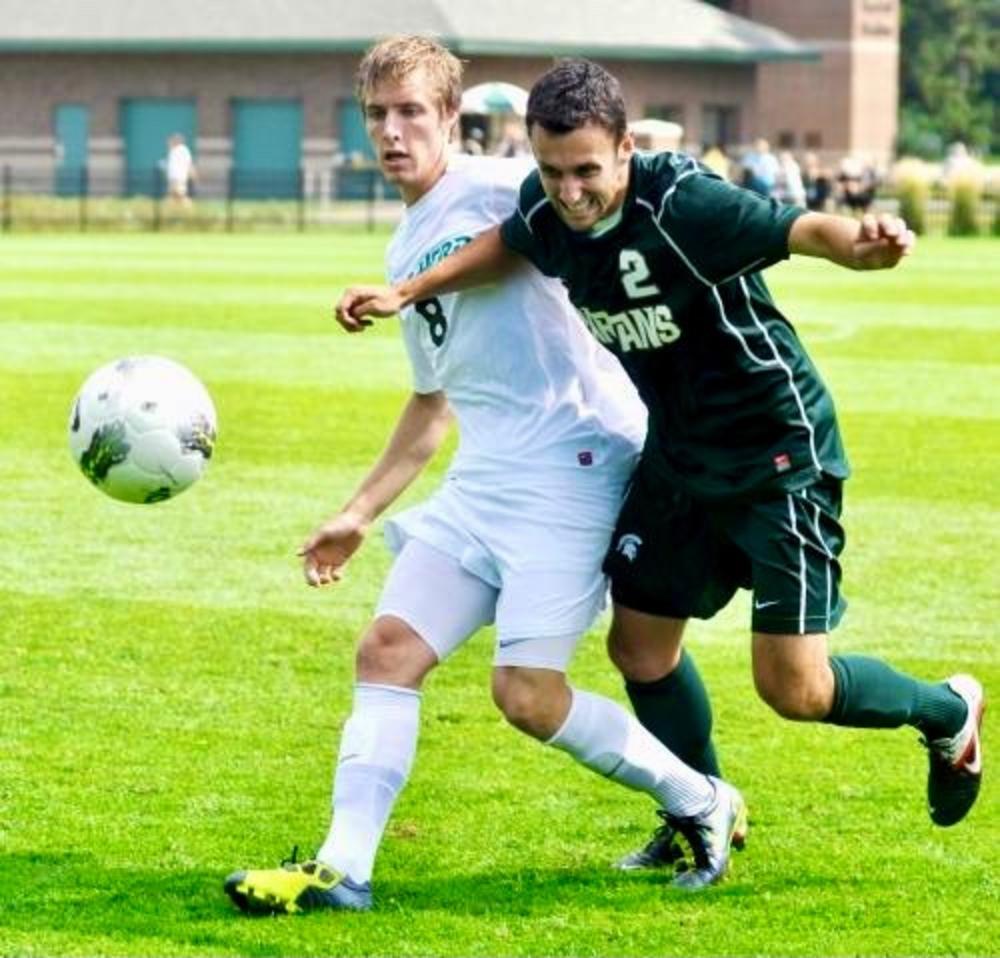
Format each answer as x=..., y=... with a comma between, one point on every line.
x=296, y=887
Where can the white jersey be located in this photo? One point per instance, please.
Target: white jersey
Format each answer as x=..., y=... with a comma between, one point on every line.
x=531, y=390
x=179, y=163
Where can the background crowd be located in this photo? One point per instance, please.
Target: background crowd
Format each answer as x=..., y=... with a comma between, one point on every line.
x=847, y=186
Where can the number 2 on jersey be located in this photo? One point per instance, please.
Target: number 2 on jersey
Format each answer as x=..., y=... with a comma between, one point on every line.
x=433, y=314
x=635, y=272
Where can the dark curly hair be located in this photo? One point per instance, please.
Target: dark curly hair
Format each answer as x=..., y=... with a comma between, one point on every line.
x=574, y=93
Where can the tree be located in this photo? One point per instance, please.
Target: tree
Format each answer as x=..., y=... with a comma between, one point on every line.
x=950, y=75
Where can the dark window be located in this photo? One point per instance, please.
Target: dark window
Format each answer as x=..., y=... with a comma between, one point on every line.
x=720, y=124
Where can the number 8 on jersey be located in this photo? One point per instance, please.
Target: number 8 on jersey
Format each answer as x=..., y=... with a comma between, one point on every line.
x=433, y=314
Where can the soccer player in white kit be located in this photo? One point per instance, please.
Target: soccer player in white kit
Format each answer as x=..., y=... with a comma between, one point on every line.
x=549, y=430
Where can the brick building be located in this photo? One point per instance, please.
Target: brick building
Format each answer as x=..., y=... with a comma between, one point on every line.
x=846, y=103
x=266, y=85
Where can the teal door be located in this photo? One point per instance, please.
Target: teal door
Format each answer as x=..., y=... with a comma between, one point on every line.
x=354, y=182
x=354, y=142
x=359, y=178
x=145, y=125
x=267, y=148
x=71, y=129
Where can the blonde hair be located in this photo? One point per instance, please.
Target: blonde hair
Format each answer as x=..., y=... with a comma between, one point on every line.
x=395, y=58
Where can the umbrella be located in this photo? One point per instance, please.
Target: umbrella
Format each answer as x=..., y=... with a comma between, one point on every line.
x=657, y=128
x=496, y=97
x=652, y=134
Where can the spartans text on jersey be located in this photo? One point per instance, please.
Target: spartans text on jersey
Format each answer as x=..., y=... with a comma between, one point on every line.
x=641, y=327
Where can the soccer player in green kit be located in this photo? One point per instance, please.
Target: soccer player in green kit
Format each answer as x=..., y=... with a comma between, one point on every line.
x=740, y=480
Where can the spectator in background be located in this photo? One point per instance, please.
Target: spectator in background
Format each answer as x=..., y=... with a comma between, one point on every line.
x=760, y=169
x=959, y=164
x=513, y=142
x=716, y=160
x=790, y=186
x=857, y=182
x=818, y=183
x=180, y=170
x=474, y=142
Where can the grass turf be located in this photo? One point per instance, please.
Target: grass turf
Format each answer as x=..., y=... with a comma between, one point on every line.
x=170, y=692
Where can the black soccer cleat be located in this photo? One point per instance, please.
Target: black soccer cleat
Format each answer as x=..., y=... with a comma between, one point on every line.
x=661, y=851
x=664, y=849
x=956, y=763
x=710, y=837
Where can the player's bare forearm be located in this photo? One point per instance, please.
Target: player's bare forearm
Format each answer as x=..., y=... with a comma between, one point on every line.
x=874, y=242
x=484, y=261
x=418, y=434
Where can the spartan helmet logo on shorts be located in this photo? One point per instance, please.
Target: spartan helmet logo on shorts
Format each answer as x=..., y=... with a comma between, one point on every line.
x=628, y=546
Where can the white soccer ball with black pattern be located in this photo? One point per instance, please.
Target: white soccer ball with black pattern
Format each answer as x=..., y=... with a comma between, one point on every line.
x=142, y=429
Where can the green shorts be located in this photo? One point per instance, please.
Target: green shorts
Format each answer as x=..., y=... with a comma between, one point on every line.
x=676, y=556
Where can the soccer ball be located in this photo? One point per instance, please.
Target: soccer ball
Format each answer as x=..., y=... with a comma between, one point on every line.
x=142, y=429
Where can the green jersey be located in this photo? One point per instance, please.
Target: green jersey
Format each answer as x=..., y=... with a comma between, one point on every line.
x=673, y=289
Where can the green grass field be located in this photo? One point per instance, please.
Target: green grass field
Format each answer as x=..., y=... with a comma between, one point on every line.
x=171, y=693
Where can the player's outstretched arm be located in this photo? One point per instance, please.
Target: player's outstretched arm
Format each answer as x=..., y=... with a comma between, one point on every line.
x=876, y=242
x=485, y=260
x=419, y=432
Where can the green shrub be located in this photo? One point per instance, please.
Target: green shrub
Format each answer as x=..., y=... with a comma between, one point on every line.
x=913, y=194
x=964, y=197
x=911, y=180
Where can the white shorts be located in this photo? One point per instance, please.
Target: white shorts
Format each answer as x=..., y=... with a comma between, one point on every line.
x=531, y=554
x=445, y=606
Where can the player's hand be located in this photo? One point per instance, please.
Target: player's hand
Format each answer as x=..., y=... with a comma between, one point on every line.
x=882, y=241
x=358, y=302
x=330, y=547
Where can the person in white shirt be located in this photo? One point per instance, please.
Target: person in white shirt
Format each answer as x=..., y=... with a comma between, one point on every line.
x=549, y=433
x=790, y=186
x=180, y=170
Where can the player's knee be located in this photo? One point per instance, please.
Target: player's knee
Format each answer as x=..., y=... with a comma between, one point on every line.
x=796, y=681
x=516, y=701
x=794, y=696
x=643, y=654
x=620, y=651
x=522, y=704
x=393, y=653
x=628, y=653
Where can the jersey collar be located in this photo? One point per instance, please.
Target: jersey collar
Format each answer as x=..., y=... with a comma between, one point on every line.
x=609, y=223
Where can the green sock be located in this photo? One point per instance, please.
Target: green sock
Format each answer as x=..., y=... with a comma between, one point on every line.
x=677, y=711
x=870, y=694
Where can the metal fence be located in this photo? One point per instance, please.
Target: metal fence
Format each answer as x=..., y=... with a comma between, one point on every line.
x=230, y=200
x=239, y=200
x=939, y=215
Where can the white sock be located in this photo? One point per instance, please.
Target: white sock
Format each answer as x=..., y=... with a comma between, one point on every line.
x=377, y=748
x=600, y=734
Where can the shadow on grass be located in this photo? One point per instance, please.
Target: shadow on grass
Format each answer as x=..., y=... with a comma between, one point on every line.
x=546, y=891
x=74, y=897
